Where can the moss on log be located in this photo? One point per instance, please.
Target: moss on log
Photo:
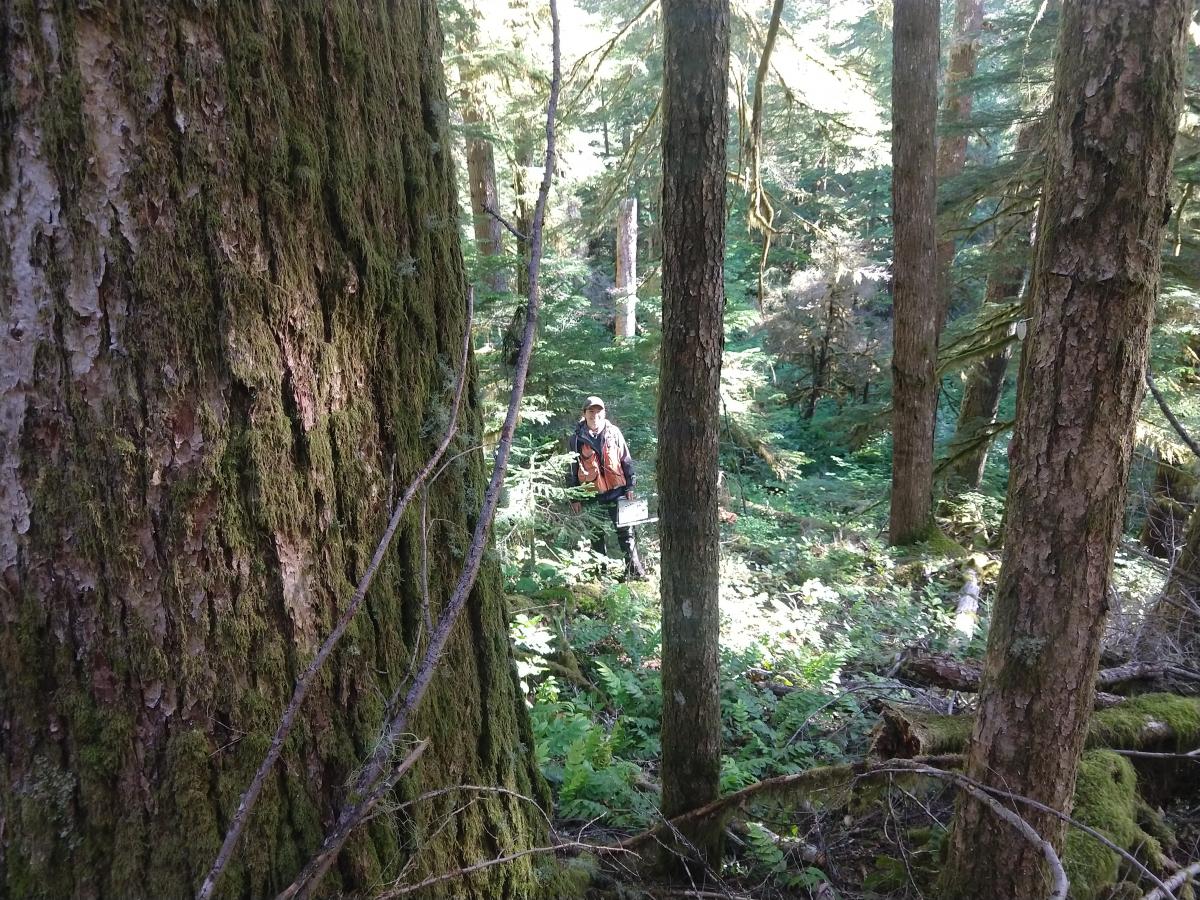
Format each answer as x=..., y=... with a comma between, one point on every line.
x=1150, y=720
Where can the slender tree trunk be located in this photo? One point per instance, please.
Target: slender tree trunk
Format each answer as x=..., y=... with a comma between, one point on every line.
x=1118, y=84
x=229, y=269
x=956, y=110
x=1168, y=508
x=481, y=173
x=1176, y=615
x=915, y=43
x=625, y=290
x=821, y=361
x=511, y=343
x=985, y=379
x=695, y=129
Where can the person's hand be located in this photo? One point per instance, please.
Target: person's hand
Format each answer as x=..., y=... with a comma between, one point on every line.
x=576, y=507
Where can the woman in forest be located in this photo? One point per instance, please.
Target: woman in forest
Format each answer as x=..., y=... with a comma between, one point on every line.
x=604, y=466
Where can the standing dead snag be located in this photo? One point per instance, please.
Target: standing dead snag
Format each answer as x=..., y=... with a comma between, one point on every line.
x=1118, y=84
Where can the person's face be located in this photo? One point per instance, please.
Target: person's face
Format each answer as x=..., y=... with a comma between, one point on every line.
x=595, y=417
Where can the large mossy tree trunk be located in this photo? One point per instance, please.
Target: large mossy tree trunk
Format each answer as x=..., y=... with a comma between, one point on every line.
x=231, y=294
x=695, y=129
x=916, y=309
x=1118, y=81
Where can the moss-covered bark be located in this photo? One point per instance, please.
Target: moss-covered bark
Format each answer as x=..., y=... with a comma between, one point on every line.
x=1113, y=120
x=231, y=293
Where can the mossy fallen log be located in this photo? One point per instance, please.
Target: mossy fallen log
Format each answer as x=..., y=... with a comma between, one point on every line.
x=1140, y=723
x=946, y=671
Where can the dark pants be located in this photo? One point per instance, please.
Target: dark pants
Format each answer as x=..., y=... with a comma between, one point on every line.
x=626, y=537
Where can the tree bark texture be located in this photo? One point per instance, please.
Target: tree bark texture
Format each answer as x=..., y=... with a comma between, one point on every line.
x=1118, y=81
x=695, y=128
x=625, y=290
x=952, y=145
x=481, y=174
x=232, y=297
x=916, y=315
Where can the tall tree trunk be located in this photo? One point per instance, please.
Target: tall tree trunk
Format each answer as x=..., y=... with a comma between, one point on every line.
x=695, y=129
x=625, y=290
x=985, y=379
x=956, y=110
x=915, y=42
x=1118, y=82
x=481, y=173
x=229, y=267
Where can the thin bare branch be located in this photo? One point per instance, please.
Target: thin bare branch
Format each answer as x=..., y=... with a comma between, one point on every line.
x=248, y=799
x=1166, y=411
x=404, y=890
x=508, y=226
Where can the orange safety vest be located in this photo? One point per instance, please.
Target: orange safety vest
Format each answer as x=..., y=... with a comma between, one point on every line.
x=601, y=472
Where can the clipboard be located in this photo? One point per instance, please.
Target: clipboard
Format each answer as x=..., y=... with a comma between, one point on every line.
x=634, y=512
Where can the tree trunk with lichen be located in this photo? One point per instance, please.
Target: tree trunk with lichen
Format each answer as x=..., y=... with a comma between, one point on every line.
x=695, y=128
x=232, y=294
x=916, y=315
x=1118, y=85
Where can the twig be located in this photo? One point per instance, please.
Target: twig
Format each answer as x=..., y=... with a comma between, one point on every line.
x=810, y=778
x=980, y=793
x=963, y=780
x=1166, y=411
x=509, y=227
x=1177, y=880
x=574, y=846
x=374, y=781
x=304, y=682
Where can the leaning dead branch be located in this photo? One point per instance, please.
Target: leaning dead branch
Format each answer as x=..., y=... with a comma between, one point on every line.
x=377, y=777
x=809, y=780
x=305, y=681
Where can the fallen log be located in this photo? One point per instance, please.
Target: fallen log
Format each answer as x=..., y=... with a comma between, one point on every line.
x=1139, y=723
x=946, y=671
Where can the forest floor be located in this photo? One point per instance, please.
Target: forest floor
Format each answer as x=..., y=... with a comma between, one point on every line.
x=819, y=616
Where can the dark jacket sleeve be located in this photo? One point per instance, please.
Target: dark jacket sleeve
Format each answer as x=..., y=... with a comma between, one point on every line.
x=627, y=464
x=573, y=467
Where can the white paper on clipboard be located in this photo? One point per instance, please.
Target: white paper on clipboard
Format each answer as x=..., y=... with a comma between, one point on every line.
x=633, y=512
